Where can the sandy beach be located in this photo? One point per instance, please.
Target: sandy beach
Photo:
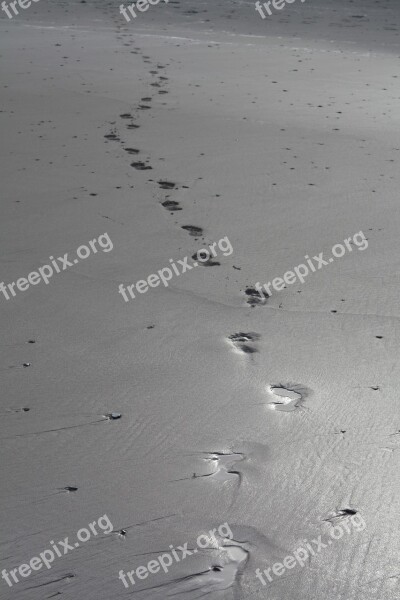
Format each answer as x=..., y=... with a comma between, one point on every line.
x=194, y=405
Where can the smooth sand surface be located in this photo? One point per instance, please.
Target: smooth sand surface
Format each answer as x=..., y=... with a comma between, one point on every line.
x=278, y=417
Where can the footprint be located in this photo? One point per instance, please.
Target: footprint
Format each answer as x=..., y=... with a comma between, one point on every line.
x=221, y=464
x=240, y=341
x=141, y=166
x=291, y=397
x=166, y=185
x=204, y=263
x=126, y=116
x=341, y=514
x=132, y=150
x=112, y=416
x=171, y=205
x=112, y=136
x=193, y=230
x=254, y=298
x=224, y=572
x=132, y=126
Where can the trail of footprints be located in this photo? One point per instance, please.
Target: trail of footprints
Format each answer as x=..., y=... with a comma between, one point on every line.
x=143, y=164
x=229, y=557
x=221, y=466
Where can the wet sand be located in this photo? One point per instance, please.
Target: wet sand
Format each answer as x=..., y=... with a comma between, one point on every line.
x=274, y=416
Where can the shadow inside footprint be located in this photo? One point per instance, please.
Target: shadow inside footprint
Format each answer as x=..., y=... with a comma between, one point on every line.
x=254, y=297
x=223, y=464
x=166, y=185
x=204, y=263
x=341, y=514
x=240, y=341
x=290, y=399
x=193, y=230
x=112, y=136
x=141, y=166
x=131, y=150
x=171, y=205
